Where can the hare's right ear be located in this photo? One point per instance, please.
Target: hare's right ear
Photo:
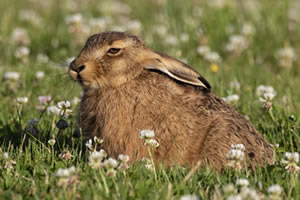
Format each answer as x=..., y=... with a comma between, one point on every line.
x=177, y=70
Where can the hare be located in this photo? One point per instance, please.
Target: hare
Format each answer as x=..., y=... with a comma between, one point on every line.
x=127, y=88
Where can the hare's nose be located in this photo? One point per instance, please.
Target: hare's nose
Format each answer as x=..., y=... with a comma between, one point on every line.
x=78, y=69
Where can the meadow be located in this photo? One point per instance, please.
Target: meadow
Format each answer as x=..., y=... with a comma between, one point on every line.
x=247, y=50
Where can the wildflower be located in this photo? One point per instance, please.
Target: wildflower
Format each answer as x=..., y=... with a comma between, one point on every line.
x=20, y=37
x=237, y=43
x=262, y=89
x=98, y=140
x=214, y=68
x=249, y=194
x=236, y=156
x=124, y=159
x=44, y=99
x=111, y=163
x=274, y=192
x=52, y=142
x=39, y=75
x=11, y=76
x=42, y=58
x=267, y=100
x=235, y=85
x=9, y=163
x=134, y=26
x=231, y=98
x=171, y=40
x=248, y=29
x=286, y=57
x=65, y=155
x=291, y=160
x=147, y=163
x=29, y=16
x=75, y=100
x=89, y=145
x=22, y=100
x=242, y=182
x=189, y=197
x=64, y=105
x=96, y=158
x=66, y=177
x=203, y=50
x=146, y=134
x=53, y=110
x=22, y=52
x=229, y=189
x=74, y=19
x=234, y=197
x=160, y=30
x=184, y=37
x=213, y=57
x=151, y=142
x=111, y=172
x=240, y=147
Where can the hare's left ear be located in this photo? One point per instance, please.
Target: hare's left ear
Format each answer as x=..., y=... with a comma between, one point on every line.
x=177, y=70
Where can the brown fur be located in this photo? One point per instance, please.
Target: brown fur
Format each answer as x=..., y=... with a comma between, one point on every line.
x=139, y=89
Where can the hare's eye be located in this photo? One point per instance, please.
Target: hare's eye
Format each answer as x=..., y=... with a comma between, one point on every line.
x=113, y=50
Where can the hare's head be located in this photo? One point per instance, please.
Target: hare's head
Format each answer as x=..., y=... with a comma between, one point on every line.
x=115, y=58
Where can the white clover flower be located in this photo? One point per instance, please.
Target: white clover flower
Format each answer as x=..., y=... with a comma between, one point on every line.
x=96, y=159
x=52, y=142
x=111, y=163
x=240, y=147
x=29, y=16
x=134, y=26
x=234, y=197
x=98, y=140
x=160, y=29
x=65, y=172
x=213, y=57
x=262, y=89
x=20, y=37
x=64, y=104
x=123, y=158
x=5, y=155
x=42, y=58
x=111, y=172
x=44, y=99
x=189, y=197
x=249, y=194
x=89, y=144
x=248, y=29
x=235, y=85
x=39, y=75
x=11, y=76
x=75, y=100
x=267, y=97
x=274, y=191
x=229, y=188
x=22, y=52
x=152, y=142
x=100, y=23
x=184, y=37
x=237, y=155
x=74, y=19
x=144, y=134
x=286, y=57
x=53, y=110
x=203, y=50
x=171, y=40
x=237, y=43
x=242, y=182
x=231, y=98
x=22, y=100
x=291, y=161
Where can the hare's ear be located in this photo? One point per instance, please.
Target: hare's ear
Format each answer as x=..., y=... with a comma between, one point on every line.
x=177, y=70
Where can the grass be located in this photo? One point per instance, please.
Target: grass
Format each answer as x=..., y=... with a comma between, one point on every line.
x=36, y=162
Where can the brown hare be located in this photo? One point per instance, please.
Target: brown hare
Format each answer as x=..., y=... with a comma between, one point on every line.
x=127, y=88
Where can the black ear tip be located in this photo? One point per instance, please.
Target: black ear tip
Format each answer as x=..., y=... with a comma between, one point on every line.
x=206, y=83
